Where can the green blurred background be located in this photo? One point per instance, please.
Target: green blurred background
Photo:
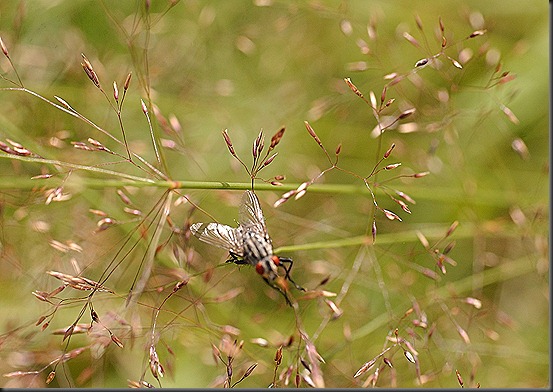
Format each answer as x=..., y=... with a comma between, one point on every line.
x=251, y=65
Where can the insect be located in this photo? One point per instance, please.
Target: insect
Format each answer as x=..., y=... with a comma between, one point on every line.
x=249, y=243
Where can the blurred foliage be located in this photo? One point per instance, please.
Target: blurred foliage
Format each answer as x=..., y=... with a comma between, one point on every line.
x=247, y=65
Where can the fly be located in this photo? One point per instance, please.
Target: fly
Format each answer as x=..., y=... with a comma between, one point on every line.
x=249, y=243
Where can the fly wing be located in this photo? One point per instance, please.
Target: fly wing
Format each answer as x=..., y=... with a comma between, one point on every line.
x=250, y=215
x=221, y=236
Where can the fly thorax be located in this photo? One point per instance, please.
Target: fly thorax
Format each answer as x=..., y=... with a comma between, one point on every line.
x=256, y=248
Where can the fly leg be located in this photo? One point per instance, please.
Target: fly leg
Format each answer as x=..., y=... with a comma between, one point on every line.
x=288, y=270
x=234, y=258
x=276, y=287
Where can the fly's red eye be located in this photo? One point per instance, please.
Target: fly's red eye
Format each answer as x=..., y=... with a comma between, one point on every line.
x=276, y=260
x=259, y=268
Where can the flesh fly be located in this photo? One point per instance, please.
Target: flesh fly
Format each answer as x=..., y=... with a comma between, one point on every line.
x=249, y=243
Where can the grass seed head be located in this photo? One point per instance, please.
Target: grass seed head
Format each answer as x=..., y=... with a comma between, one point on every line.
x=365, y=368
x=409, y=357
x=127, y=81
x=383, y=94
x=389, y=151
x=392, y=166
x=411, y=39
x=464, y=335
x=117, y=341
x=115, y=91
x=459, y=378
x=276, y=138
x=477, y=33
x=258, y=145
x=372, y=98
x=155, y=367
x=175, y=124
x=406, y=197
x=250, y=370
x=510, y=115
x=421, y=62
x=312, y=132
x=144, y=107
x=418, y=21
x=452, y=228
x=229, y=142
x=269, y=160
x=420, y=175
x=4, y=48
x=456, y=63
x=390, y=215
x=63, y=102
x=354, y=89
x=50, y=377
x=278, y=356
x=406, y=113
x=260, y=342
x=87, y=67
x=474, y=302
x=124, y=198
x=104, y=224
x=449, y=247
